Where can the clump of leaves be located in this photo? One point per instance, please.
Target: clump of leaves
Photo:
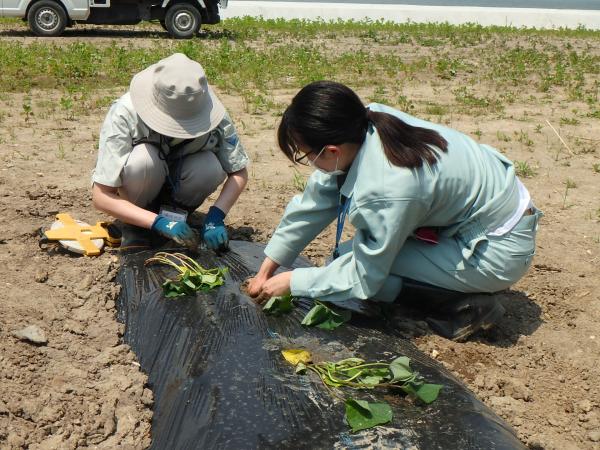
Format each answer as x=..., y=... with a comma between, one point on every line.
x=276, y=306
x=192, y=277
x=322, y=316
x=356, y=373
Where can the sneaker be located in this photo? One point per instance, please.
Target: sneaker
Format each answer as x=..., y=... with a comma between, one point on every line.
x=459, y=320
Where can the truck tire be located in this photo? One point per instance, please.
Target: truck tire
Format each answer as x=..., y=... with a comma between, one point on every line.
x=183, y=21
x=47, y=18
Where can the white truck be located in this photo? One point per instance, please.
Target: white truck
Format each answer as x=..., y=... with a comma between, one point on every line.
x=181, y=18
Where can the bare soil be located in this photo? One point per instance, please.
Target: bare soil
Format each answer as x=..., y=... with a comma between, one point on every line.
x=538, y=368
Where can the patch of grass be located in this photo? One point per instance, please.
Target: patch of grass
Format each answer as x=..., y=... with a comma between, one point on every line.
x=379, y=96
x=473, y=104
x=596, y=167
x=569, y=121
x=447, y=68
x=246, y=55
x=594, y=114
x=298, y=181
x=524, y=170
x=436, y=109
x=503, y=136
x=404, y=104
x=60, y=153
x=523, y=138
x=569, y=184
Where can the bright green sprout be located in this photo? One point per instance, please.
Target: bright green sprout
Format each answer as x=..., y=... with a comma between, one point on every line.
x=192, y=276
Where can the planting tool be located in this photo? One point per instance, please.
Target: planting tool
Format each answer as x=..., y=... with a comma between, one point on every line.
x=80, y=237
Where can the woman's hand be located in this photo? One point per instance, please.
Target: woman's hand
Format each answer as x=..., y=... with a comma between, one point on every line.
x=266, y=271
x=274, y=286
x=255, y=285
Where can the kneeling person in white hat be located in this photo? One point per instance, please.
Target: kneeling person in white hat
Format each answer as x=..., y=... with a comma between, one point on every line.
x=165, y=146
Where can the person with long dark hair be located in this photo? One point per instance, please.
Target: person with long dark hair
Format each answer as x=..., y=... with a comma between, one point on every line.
x=435, y=213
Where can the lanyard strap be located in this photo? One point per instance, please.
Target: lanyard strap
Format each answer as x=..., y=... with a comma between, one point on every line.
x=343, y=207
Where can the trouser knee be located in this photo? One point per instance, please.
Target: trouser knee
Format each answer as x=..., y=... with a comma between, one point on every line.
x=143, y=175
x=201, y=175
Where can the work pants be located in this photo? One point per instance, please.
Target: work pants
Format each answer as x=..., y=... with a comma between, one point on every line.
x=145, y=173
x=494, y=264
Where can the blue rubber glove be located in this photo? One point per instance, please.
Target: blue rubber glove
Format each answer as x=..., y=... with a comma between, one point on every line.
x=180, y=232
x=214, y=232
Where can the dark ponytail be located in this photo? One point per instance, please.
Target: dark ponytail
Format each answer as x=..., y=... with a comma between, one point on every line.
x=330, y=113
x=405, y=145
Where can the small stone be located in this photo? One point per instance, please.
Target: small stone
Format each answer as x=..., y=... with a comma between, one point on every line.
x=517, y=390
x=479, y=381
x=85, y=283
x=554, y=422
x=594, y=436
x=584, y=406
x=32, y=333
x=41, y=276
x=517, y=421
x=74, y=327
x=147, y=397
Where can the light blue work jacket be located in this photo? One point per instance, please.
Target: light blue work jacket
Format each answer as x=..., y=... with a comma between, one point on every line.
x=471, y=191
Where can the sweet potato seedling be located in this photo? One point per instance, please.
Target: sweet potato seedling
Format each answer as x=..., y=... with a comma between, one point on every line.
x=192, y=277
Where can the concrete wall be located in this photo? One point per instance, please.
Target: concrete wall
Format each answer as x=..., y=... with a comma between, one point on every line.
x=517, y=17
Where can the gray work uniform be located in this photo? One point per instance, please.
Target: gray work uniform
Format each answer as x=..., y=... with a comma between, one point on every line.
x=139, y=161
x=470, y=192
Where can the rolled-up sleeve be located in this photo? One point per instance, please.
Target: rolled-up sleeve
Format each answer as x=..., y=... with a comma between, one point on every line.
x=304, y=218
x=231, y=153
x=382, y=227
x=116, y=144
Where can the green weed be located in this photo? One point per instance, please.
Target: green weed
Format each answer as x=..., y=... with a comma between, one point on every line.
x=503, y=136
x=524, y=170
x=569, y=121
x=569, y=184
x=298, y=181
x=523, y=138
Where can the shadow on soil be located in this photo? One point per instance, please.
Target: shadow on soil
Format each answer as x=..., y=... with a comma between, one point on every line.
x=109, y=32
x=522, y=318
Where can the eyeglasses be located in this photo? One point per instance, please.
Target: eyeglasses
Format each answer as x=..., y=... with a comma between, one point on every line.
x=303, y=158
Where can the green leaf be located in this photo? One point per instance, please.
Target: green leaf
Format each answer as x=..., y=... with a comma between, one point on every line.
x=361, y=415
x=335, y=319
x=279, y=305
x=209, y=278
x=400, y=369
x=189, y=283
x=373, y=376
x=325, y=318
x=372, y=380
x=316, y=315
x=428, y=392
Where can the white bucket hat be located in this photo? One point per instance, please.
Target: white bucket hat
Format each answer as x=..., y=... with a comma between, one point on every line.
x=173, y=98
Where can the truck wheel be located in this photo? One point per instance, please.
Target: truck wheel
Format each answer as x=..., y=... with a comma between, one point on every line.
x=182, y=21
x=47, y=18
